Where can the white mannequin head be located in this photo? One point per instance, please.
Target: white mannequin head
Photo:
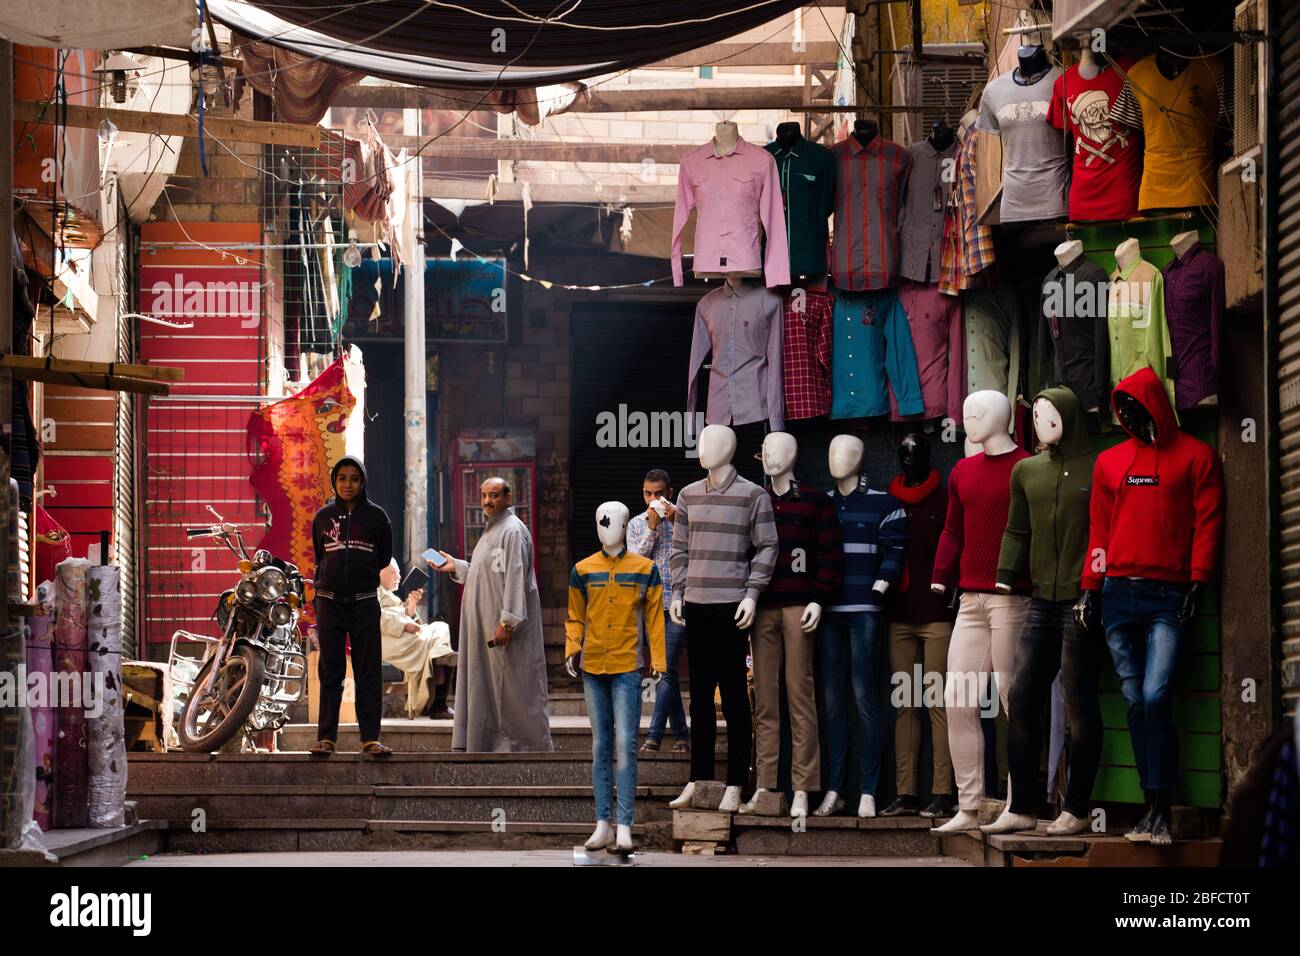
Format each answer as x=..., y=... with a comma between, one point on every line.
x=986, y=414
x=1048, y=425
x=611, y=525
x=717, y=446
x=779, y=453
x=845, y=457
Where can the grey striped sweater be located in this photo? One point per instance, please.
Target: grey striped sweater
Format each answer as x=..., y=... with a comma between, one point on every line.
x=724, y=542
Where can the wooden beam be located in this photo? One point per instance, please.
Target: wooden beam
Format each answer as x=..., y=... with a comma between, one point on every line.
x=93, y=374
x=224, y=128
x=540, y=150
x=78, y=367
x=754, y=54
x=637, y=194
x=189, y=56
x=601, y=100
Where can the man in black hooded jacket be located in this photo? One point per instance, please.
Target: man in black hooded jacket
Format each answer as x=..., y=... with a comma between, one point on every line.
x=353, y=541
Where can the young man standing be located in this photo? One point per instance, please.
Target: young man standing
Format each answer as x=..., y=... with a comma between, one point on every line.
x=651, y=536
x=353, y=542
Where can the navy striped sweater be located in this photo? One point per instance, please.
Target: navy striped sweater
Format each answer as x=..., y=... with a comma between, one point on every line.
x=874, y=529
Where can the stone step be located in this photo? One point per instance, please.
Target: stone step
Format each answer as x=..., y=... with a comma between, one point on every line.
x=844, y=836
x=1092, y=849
x=568, y=733
x=92, y=846
x=574, y=704
x=561, y=768
x=486, y=804
x=323, y=834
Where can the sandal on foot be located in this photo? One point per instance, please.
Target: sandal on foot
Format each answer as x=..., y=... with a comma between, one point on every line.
x=650, y=747
x=323, y=748
x=374, y=748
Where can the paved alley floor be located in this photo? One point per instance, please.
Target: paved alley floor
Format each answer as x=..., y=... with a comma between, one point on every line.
x=520, y=858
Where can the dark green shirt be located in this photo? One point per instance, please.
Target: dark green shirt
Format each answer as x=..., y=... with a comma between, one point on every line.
x=807, y=175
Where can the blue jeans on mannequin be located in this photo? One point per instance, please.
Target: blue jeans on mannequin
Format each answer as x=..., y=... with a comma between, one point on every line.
x=669, y=711
x=848, y=655
x=1141, y=618
x=614, y=706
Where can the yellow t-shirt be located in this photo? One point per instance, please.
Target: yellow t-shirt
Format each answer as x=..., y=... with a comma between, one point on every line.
x=1178, y=122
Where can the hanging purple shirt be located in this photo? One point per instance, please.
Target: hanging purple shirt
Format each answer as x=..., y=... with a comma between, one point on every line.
x=1195, y=298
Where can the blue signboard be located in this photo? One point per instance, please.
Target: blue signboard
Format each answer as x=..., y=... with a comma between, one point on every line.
x=465, y=300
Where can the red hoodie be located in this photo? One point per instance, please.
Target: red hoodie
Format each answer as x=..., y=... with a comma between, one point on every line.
x=1156, y=510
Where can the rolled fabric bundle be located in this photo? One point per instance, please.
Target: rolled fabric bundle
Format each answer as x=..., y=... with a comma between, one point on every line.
x=71, y=771
x=105, y=737
x=40, y=660
x=15, y=744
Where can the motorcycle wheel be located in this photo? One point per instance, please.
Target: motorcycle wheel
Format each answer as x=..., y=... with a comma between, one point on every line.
x=207, y=723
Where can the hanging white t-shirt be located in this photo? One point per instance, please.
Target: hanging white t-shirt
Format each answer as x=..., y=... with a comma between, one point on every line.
x=1035, y=165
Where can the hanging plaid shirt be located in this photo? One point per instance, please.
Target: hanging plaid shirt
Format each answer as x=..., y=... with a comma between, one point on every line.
x=806, y=354
x=967, y=246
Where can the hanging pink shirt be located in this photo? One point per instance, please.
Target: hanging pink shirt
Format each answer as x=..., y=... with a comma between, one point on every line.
x=733, y=195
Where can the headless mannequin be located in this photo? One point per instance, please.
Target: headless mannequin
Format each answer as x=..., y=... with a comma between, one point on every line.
x=611, y=528
x=1127, y=253
x=1089, y=68
x=780, y=450
x=1170, y=66
x=941, y=136
x=1183, y=242
x=1033, y=64
x=717, y=446
x=864, y=131
x=845, y=460
x=1068, y=252
x=914, y=458
x=986, y=415
x=788, y=135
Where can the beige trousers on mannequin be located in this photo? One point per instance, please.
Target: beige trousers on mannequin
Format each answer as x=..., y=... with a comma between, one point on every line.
x=904, y=641
x=983, y=640
x=780, y=644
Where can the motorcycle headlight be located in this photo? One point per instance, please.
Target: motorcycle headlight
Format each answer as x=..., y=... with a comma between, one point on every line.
x=271, y=584
x=281, y=614
x=245, y=591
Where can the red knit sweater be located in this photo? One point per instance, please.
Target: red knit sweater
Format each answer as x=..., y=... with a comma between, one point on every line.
x=979, y=495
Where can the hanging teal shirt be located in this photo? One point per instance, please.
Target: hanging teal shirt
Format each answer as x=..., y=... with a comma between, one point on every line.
x=873, y=342
x=807, y=174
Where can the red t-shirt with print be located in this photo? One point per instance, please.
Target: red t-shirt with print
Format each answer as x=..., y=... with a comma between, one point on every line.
x=1107, y=168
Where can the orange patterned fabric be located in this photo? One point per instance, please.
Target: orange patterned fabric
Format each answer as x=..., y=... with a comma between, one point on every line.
x=298, y=440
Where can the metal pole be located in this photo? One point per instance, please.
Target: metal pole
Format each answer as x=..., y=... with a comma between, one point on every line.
x=417, y=460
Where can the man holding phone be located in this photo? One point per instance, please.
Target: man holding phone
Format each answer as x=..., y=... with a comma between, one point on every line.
x=501, y=681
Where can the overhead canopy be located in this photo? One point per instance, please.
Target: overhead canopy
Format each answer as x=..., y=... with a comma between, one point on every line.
x=493, y=43
x=98, y=24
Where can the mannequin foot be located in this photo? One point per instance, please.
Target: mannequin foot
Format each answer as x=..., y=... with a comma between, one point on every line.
x=1010, y=822
x=799, y=805
x=1142, y=832
x=683, y=801
x=964, y=820
x=866, y=807
x=730, y=800
x=623, y=844
x=1067, y=824
x=751, y=805
x=831, y=804
x=602, y=837
x=1160, y=833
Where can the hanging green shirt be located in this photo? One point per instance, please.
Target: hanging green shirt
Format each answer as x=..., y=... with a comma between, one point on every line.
x=1139, y=335
x=807, y=174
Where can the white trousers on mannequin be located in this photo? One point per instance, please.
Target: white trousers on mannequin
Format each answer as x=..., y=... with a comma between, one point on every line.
x=983, y=641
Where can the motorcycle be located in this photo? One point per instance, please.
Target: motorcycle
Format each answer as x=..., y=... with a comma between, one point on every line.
x=256, y=670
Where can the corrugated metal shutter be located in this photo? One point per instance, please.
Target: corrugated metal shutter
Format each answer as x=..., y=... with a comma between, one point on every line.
x=1288, y=319
x=124, y=469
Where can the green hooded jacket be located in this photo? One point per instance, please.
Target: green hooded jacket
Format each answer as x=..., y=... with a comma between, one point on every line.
x=1047, y=522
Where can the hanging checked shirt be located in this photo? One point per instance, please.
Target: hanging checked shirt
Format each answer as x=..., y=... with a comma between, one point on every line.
x=1135, y=315
x=732, y=195
x=609, y=600
x=967, y=246
x=929, y=187
x=807, y=174
x=742, y=328
x=869, y=185
x=1177, y=118
x=806, y=353
x=872, y=342
x=1195, y=299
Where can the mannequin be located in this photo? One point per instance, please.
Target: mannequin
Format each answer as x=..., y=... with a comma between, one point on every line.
x=851, y=641
x=1032, y=63
x=864, y=131
x=806, y=172
x=1089, y=67
x=988, y=623
x=1170, y=65
x=941, y=135
x=725, y=136
x=1127, y=253
x=809, y=569
x=1073, y=337
x=1163, y=479
x=603, y=639
x=1047, y=530
x=715, y=593
x=1195, y=301
x=788, y=134
x=919, y=622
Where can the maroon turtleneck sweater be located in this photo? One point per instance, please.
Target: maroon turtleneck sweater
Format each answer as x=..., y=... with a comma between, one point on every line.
x=979, y=495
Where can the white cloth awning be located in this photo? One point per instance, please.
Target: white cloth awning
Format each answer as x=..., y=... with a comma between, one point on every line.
x=98, y=24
